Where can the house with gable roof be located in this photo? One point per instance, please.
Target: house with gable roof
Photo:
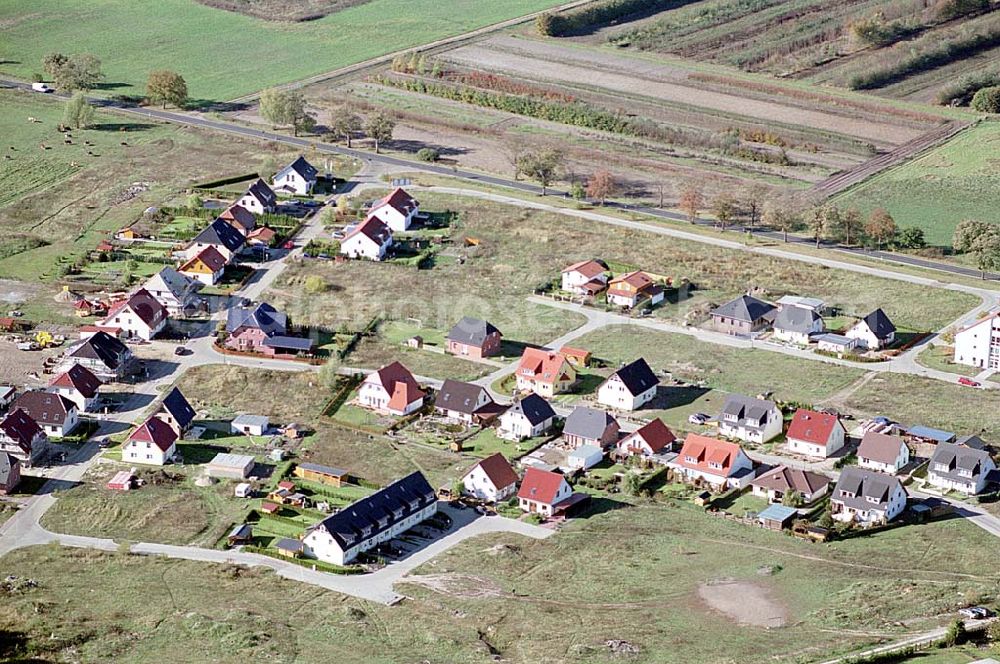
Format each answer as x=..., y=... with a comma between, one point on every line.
x=240, y=218
x=586, y=278
x=867, y=497
x=259, y=198
x=370, y=239
x=391, y=389
x=475, y=338
x=542, y=491
x=527, y=417
x=750, y=420
x=22, y=438
x=54, y=413
x=960, y=468
x=396, y=210
x=154, y=442
x=883, y=453
x=631, y=288
x=492, y=479
x=743, y=316
x=775, y=483
x=716, y=462
x=814, y=434
x=219, y=234
x=978, y=344
x=650, y=440
x=106, y=356
x=249, y=327
x=464, y=402
x=299, y=177
x=590, y=426
x=176, y=411
x=874, y=331
x=206, y=267
x=140, y=316
x=544, y=372
x=630, y=387
x=177, y=292
x=79, y=385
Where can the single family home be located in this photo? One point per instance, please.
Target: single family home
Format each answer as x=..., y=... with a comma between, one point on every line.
x=249, y=327
x=527, y=417
x=299, y=177
x=141, y=316
x=882, y=452
x=589, y=426
x=154, y=443
x=391, y=389
x=370, y=239
x=814, y=434
x=22, y=438
x=797, y=324
x=650, y=440
x=978, y=344
x=544, y=372
x=492, y=479
x=54, y=413
x=629, y=388
x=397, y=210
x=743, y=316
x=240, y=218
x=105, y=355
x=586, y=278
x=79, y=385
x=716, y=462
x=867, y=497
x=631, y=288
x=464, y=402
x=178, y=293
x=219, y=234
x=475, y=338
x=542, y=491
x=259, y=198
x=806, y=485
x=959, y=468
x=750, y=420
x=176, y=411
x=874, y=331
x=206, y=267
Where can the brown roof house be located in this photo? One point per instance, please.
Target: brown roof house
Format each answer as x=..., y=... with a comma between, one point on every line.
x=79, y=385
x=806, y=485
x=650, y=440
x=492, y=479
x=22, y=438
x=140, y=316
x=586, y=278
x=631, y=288
x=391, y=389
x=54, y=413
x=882, y=452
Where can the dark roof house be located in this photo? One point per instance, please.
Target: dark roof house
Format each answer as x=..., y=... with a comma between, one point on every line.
x=471, y=331
x=534, y=408
x=461, y=397
x=220, y=233
x=744, y=308
x=178, y=407
x=264, y=317
x=589, y=423
x=104, y=348
x=637, y=377
x=20, y=428
x=46, y=408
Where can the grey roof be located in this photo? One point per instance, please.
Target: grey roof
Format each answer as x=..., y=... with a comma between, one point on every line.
x=588, y=423
x=288, y=544
x=324, y=470
x=241, y=531
x=745, y=308
x=836, y=339
x=302, y=167
x=371, y=515
x=637, y=377
x=861, y=484
x=221, y=233
x=973, y=441
x=879, y=324
x=748, y=410
x=289, y=343
x=251, y=420
x=177, y=405
x=534, y=408
x=459, y=396
x=103, y=347
x=264, y=317
x=229, y=460
x=173, y=281
x=471, y=331
x=958, y=457
x=795, y=319
x=7, y=465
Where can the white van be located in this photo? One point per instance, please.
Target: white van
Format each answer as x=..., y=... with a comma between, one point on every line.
x=41, y=87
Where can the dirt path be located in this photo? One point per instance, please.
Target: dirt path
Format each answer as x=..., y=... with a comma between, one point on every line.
x=838, y=399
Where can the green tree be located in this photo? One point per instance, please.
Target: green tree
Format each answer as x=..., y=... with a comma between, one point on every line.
x=542, y=166
x=780, y=215
x=78, y=113
x=911, y=238
x=791, y=498
x=632, y=483
x=987, y=100
x=166, y=87
x=724, y=208
x=544, y=24
x=956, y=634
x=286, y=107
x=981, y=239
x=344, y=123
x=379, y=128
x=194, y=201
x=851, y=224
x=80, y=72
x=52, y=62
x=881, y=227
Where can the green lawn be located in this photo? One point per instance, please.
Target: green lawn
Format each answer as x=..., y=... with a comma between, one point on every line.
x=957, y=181
x=223, y=54
x=942, y=359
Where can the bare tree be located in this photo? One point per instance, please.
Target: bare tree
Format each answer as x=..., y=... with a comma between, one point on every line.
x=691, y=201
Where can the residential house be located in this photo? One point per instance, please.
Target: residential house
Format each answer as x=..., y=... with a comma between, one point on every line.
x=542, y=491
x=141, y=316
x=206, y=267
x=370, y=239
x=474, y=338
x=154, y=443
x=106, y=356
x=249, y=327
x=797, y=324
x=526, y=418
x=391, y=389
x=743, y=316
x=464, y=402
x=631, y=288
x=261, y=237
x=750, y=420
x=219, y=234
x=584, y=457
x=545, y=373
x=10, y=473
x=79, y=385
x=22, y=438
x=629, y=388
x=650, y=440
x=716, y=462
x=874, y=331
x=240, y=218
x=814, y=434
x=586, y=278
x=299, y=177
x=867, y=497
x=589, y=426
x=960, y=468
x=176, y=411
x=54, y=413
x=812, y=303
x=775, y=483
x=259, y=198
x=372, y=520
x=978, y=345
x=177, y=292
x=882, y=452
x=492, y=479
x=250, y=425
x=397, y=210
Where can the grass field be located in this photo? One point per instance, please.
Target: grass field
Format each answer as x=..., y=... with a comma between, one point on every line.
x=132, y=39
x=285, y=396
x=942, y=358
x=957, y=181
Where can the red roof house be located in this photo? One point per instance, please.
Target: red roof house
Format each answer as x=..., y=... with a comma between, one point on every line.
x=544, y=372
x=542, y=490
x=396, y=210
x=79, y=385
x=393, y=389
x=153, y=442
x=21, y=437
x=717, y=462
x=141, y=315
x=815, y=434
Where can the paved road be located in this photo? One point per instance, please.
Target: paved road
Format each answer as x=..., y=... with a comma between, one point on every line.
x=918, y=640
x=193, y=119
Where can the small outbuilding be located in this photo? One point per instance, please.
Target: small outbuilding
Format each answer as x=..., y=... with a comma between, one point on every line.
x=241, y=534
x=122, y=481
x=314, y=472
x=290, y=548
x=776, y=517
x=251, y=425
x=584, y=457
x=230, y=466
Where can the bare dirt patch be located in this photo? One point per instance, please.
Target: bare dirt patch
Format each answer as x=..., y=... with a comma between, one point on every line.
x=459, y=585
x=744, y=602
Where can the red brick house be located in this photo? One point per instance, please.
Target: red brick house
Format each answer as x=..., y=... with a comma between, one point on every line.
x=474, y=338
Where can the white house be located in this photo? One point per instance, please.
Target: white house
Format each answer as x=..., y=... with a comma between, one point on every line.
x=463, y=402
x=649, y=440
x=492, y=479
x=866, y=497
x=370, y=521
x=796, y=324
x=391, y=389
x=249, y=425
x=370, y=239
x=79, y=385
x=529, y=417
x=176, y=292
x=814, y=434
x=299, y=177
x=629, y=388
x=55, y=414
x=585, y=278
x=259, y=199
x=960, y=468
x=874, y=331
x=542, y=491
x=153, y=443
x=715, y=462
x=750, y=420
x=978, y=345
x=883, y=453
x=140, y=316
x=835, y=343
x=22, y=438
x=397, y=210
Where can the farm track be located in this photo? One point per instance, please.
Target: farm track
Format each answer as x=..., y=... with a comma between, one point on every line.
x=846, y=179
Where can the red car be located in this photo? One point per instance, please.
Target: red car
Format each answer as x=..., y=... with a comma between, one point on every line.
x=289, y=245
x=968, y=381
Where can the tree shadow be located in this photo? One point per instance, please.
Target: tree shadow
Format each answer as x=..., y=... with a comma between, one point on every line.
x=416, y=146
x=199, y=453
x=14, y=647
x=215, y=106
x=598, y=506
x=108, y=85
x=122, y=126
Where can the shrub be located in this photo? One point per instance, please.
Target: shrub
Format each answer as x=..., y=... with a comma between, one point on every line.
x=428, y=154
x=315, y=284
x=949, y=9
x=987, y=100
x=195, y=201
x=595, y=14
x=961, y=92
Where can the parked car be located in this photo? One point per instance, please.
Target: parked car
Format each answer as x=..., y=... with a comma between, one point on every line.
x=289, y=244
x=969, y=382
x=698, y=418
x=41, y=87
x=181, y=350
x=975, y=612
